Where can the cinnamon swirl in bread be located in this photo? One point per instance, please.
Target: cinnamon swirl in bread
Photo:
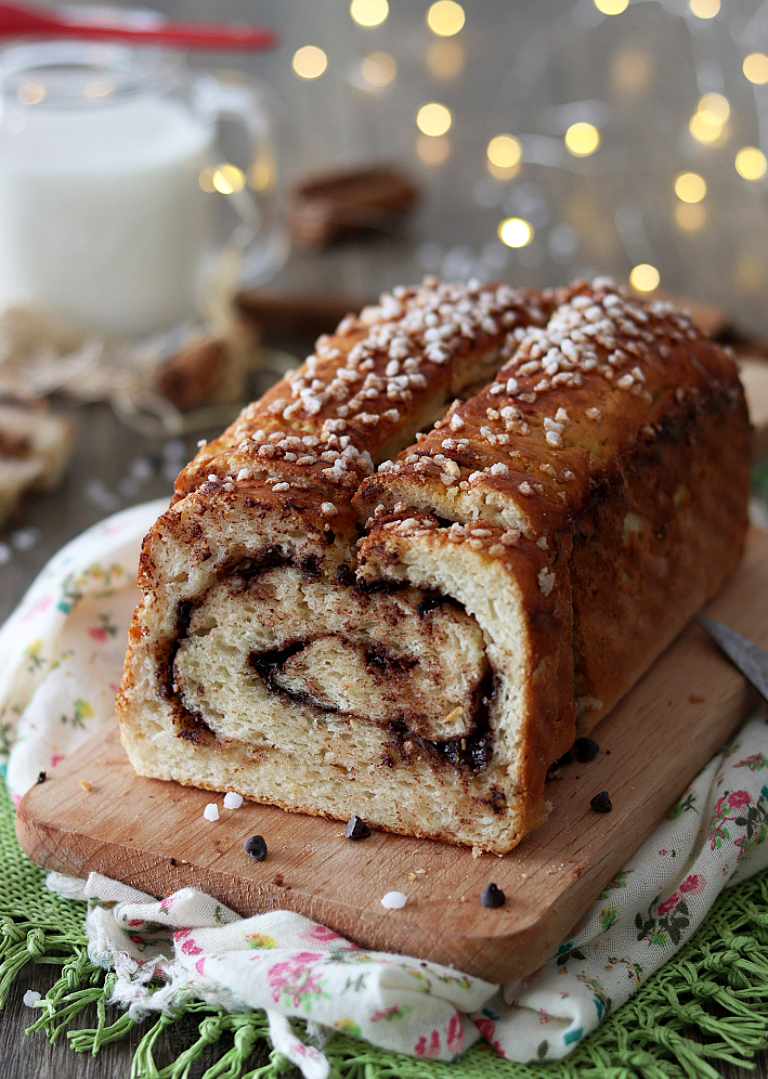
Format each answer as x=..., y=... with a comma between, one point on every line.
x=338, y=621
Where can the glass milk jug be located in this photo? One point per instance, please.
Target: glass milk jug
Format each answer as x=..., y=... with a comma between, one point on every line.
x=114, y=197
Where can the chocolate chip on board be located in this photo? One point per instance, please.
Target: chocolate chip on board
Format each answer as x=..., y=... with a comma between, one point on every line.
x=492, y=896
x=256, y=848
x=357, y=828
x=601, y=803
x=586, y=750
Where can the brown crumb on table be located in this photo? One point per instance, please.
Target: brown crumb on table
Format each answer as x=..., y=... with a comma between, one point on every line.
x=85, y=785
x=695, y=698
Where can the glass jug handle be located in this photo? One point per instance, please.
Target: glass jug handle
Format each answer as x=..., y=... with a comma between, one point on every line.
x=255, y=245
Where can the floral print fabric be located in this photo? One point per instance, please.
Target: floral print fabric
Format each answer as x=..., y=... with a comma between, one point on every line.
x=63, y=650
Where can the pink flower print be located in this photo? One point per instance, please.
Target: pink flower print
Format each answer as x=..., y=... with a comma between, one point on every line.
x=17, y=800
x=693, y=884
x=167, y=903
x=738, y=799
x=297, y=981
x=180, y=934
x=668, y=905
x=428, y=1049
x=200, y=966
x=663, y=853
x=321, y=933
x=56, y=758
x=755, y=762
x=38, y=608
x=487, y=1028
x=190, y=948
x=103, y=632
x=454, y=1036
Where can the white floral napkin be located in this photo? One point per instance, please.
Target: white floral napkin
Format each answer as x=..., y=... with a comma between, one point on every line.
x=63, y=651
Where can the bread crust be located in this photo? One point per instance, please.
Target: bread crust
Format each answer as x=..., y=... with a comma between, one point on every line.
x=417, y=644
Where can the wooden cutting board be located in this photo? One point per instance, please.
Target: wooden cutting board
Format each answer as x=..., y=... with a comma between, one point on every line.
x=94, y=814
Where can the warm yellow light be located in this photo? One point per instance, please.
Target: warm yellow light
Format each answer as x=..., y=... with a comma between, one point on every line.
x=515, y=232
x=378, y=69
x=205, y=179
x=434, y=119
x=644, y=277
x=309, y=62
x=369, y=12
x=690, y=216
x=755, y=68
x=703, y=130
x=445, y=18
x=611, y=7
x=504, y=151
x=751, y=163
x=31, y=93
x=690, y=187
x=714, y=108
x=226, y=179
x=433, y=150
x=582, y=139
x=704, y=9
x=261, y=175
x=445, y=59
x=707, y=124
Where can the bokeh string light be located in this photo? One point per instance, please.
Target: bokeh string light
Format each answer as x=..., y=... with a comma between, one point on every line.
x=644, y=277
x=445, y=18
x=611, y=7
x=704, y=9
x=504, y=151
x=582, y=139
x=434, y=119
x=622, y=210
x=225, y=178
x=369, y=12
x=309, y=62
x=755, y=68
x=751, y=163
x=708, y=124
x=515, y=232
x=690, y=187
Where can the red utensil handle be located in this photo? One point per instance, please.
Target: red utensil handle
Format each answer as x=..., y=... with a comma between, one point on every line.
x=196, y=37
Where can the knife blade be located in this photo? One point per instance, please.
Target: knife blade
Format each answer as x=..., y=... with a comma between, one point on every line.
x=750, y=659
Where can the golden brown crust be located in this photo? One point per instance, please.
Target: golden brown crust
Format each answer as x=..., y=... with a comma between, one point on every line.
x=571, y=512
x=572, y=399
x=367, y=389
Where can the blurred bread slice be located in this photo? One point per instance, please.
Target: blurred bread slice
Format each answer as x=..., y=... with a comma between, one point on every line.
x=35, y=447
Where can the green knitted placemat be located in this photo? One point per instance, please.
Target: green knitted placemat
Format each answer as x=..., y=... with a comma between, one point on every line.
x=707, y=1004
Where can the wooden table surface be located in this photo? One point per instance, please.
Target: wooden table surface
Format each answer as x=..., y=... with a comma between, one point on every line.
x=453, y=233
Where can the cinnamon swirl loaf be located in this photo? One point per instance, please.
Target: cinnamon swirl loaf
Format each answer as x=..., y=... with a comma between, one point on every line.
x=343, y=616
